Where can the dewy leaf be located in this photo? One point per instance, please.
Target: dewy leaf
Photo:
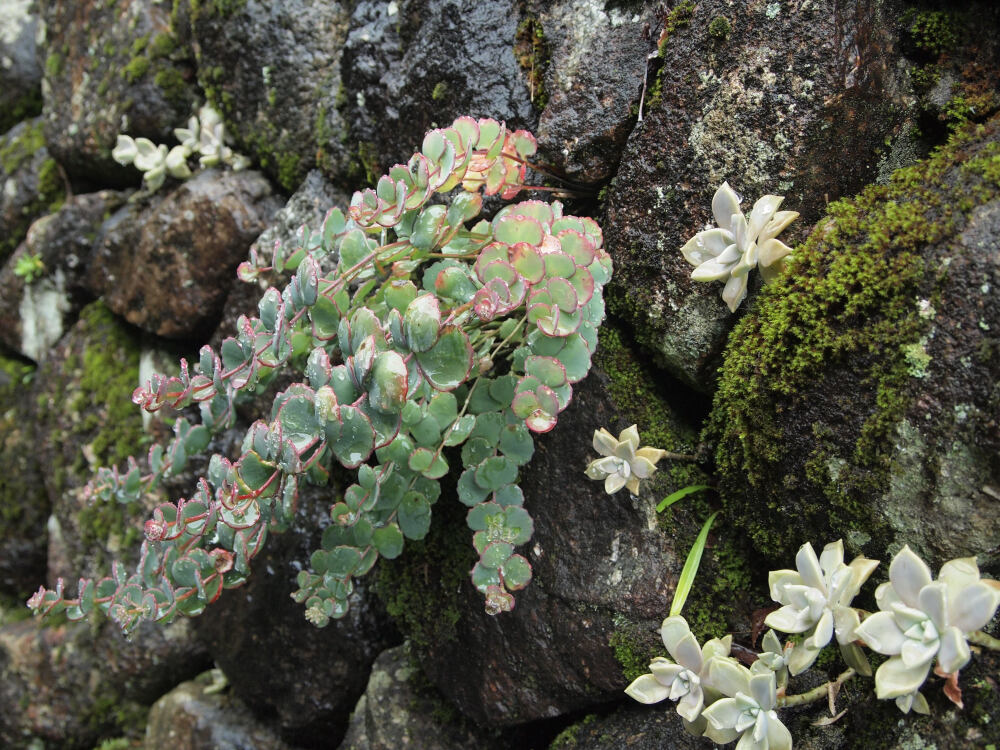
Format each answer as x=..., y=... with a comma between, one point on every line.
x=387, y=392
x=414, y=515
x=447, y=364
x=388, y=540
x=356, y=439
x=422, y=322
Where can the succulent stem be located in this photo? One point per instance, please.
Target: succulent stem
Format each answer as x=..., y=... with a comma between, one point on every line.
x=816, y=694
x=982, y=639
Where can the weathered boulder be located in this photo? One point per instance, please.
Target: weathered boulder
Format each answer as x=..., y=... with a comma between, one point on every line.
x=273, y=70
x=861, y=399
x=24, y=506
x=411, y=66
x=194, y=716
x=20, y=73
x=771, y=99
x=604, y=567
x=398, y=709
x=35, y=312
x=166, y=265
x=70, y=685
x=589, y=59
x=111, y=69
x=32, y=184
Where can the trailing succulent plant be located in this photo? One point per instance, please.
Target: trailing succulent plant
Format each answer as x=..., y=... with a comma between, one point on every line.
x=428, y=342
x=204, y=137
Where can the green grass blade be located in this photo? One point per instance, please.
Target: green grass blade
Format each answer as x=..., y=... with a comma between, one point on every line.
x=683, y=492
x=690, y=569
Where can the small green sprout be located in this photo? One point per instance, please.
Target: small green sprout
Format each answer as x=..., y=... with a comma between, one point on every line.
x=29, y=267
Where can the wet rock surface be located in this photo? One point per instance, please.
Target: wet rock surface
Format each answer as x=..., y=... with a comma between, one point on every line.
x=186, y=244
x=20, y=71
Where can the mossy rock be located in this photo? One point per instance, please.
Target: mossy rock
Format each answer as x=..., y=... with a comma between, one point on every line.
x=859, y=397
x=85, y=418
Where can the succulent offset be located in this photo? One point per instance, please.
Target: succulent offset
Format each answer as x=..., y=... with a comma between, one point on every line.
x=624, y=463
x=922, y=620
x=816, y=599
x=395, y=349
x=731, y=250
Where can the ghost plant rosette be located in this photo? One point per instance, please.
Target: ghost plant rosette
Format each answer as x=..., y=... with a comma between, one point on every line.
x=922, y=619
x=817, y=598
x=624, y=463
x=732, y=249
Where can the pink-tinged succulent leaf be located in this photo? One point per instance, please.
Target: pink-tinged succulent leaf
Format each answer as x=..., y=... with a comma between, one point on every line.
x=512, y=229
x=528, y=262
x=422, y=322
x=448, y=363
x=355, y=438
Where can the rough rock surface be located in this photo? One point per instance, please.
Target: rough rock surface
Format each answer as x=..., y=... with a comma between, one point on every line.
x=593, y=56
x=770, y=108
x=411, y=66
x=33, y=316
x=69, y=685
x=20, y=73
x=398, y=711
x=110, y=69
x=273, y=69
x=861, y=399
x=311, y=688
x=186, y=246
x=189, y=718
x=32, y=185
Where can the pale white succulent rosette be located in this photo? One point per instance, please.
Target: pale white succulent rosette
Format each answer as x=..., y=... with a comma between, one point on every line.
x=817, y=601
x=749, y=713
x=155, y=162
x=773, y=657
x=684, y=680
x=624, y=463
x=732, y=249
x=922, y=619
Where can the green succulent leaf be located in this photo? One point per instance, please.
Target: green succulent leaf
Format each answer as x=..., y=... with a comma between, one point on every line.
x=354, y=439
x=448, y=362
x=414, y=515
x=388, y=540
x=516, y=571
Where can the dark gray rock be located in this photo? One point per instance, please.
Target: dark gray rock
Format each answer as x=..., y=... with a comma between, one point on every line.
x=861, y=398
x=33, y=316
x=167, y=265
x=411, y=66
x=20, y=73
x=31, y=180
x=193, y=716
x=70, y=685
x=595, y=61
x=773, y=106
x=273, y=70
x=110, y=69
x=399, y=709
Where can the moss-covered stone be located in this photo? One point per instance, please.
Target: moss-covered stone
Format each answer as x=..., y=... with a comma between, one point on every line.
x=533, y=55
x=820, y=379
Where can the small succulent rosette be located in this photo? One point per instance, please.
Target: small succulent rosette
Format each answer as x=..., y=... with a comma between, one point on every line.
x=749, y=713
x=921, y=620
x=731, y=250
x=624, y=463
x=816, y=599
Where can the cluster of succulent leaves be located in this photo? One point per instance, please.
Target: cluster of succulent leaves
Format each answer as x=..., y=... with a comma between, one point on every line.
x=921, y=623
x=425, y=336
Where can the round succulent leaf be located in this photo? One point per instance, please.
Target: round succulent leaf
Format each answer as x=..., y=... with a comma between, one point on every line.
x=389, y=382
x=583, y=285
x=518, y=525
x=476, y=450
x=307, y=276
x=398, y=450
x=485, y=516
x=399, y=293
x=563, y=294
x=270, y=308
x=494, y=472
x=578, y=246
x=414, y=515
x=454, y=282
x=343, y=386
x=496, y=554
x=511, y=495
x=541, y=421
x=502, y=390
x=512, y=228
x=517, y=444
x=334, y=225
x=298, y=421
x=356, y=439
x=426, y=432
x=368, y=560
x=528, y=262
x=429, y=227
x=548, y=370
x=460, y=430
x=420, y=459
x=484, y=577
x=469, y=492
x=488, y=426
x=242, y=516
x=388, y=540
x=386, y=426
x=600, y=269
x=318, y=368
x=480, y=400
x=564, y=394
x=354, y=248
x=541, y=211
x=558, y=265
x=525, y=404
x=422, y=322
x=516, y=571
x=448, y=362
x=253, y=472
x=339, y=562
x=364, y=324
x=443, y=407
x=499, y=269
